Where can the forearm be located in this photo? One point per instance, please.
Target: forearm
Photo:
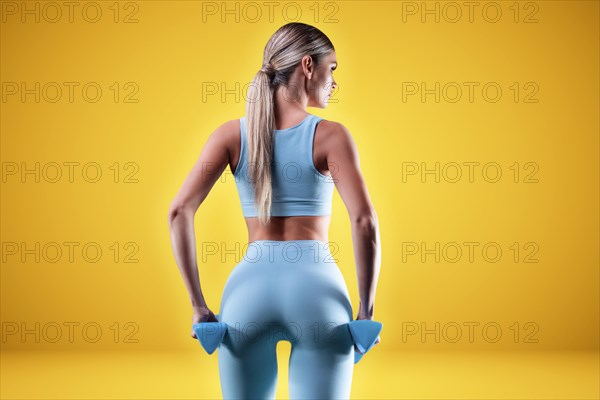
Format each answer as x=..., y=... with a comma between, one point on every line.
x=367, y=254
x=183, y=242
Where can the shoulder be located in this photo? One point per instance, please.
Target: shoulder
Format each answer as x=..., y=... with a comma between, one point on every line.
x=228, y=129
x=227, y=134
x=335, y=133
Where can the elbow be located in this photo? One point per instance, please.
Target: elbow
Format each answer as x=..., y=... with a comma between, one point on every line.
x=177, y=211
x=367, y=220
x=173, y=213
x=366, y=226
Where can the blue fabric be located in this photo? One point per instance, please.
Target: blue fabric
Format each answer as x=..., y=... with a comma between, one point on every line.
x=294, y=291
x=298, y=187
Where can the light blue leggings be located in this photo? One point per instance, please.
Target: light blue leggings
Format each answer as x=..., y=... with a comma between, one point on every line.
x=285, y=290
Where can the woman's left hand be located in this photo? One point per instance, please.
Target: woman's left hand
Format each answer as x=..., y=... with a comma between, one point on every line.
x=360, y=316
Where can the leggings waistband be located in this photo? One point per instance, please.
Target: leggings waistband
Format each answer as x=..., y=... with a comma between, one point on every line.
x=288, y=250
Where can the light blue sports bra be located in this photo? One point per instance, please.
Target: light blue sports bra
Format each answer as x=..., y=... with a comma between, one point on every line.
x=298, y=187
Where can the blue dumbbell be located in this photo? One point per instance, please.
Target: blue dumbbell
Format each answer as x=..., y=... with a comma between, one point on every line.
x=210, y=334
x=364, y=334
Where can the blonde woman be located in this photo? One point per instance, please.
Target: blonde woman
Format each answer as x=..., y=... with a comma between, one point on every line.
x=286, y=163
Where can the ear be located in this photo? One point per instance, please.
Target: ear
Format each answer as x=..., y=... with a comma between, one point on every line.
x=308, y=66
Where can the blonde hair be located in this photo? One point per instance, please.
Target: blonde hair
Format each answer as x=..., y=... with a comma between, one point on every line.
x=282, y=54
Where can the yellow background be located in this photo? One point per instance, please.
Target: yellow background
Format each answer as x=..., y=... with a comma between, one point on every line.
x=171, y=55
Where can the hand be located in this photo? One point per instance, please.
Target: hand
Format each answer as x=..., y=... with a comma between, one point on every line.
x=360, y=316
x=203, y=314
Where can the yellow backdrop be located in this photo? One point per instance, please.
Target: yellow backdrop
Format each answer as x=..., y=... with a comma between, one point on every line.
x=477, y=128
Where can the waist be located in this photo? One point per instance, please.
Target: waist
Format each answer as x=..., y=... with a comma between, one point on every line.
x=289, y=251
x=289, y=228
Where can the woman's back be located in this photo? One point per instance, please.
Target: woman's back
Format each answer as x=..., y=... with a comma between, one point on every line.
x=302, y=184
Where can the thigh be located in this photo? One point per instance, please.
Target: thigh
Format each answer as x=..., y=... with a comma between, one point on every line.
x=322, y=357
x=247, y=355
x=247, y=367
x=322, y=362
x=321, y=373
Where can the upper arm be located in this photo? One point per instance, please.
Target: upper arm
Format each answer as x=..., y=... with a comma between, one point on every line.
x=344, y=166
x=211, y=163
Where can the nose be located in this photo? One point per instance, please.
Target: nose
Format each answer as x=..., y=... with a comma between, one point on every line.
x=333, y=86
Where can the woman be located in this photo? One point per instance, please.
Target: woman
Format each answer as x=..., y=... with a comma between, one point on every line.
x=286, y=163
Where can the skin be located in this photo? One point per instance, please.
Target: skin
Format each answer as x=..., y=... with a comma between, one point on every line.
x=310, y=86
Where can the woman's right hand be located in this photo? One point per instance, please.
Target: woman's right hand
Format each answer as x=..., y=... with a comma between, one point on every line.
x=203, y=314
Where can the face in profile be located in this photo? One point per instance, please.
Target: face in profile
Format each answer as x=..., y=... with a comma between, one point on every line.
x=322, y=84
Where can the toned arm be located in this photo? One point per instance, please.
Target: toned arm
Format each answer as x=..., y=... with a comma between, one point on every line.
x=213, y=159
x=344, y=165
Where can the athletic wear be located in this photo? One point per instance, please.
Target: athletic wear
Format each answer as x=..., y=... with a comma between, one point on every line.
x=286, y=290
x=298, y=187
